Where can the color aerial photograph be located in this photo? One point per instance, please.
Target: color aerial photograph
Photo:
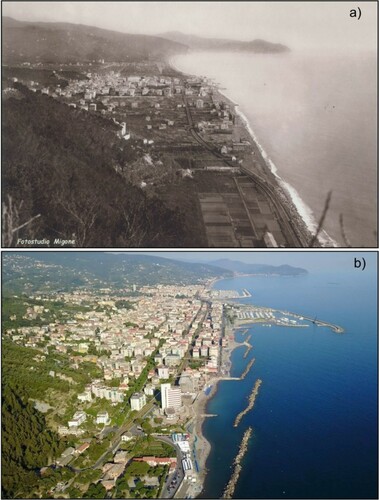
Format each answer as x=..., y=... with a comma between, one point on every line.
x=189, y=375
x=189, y=125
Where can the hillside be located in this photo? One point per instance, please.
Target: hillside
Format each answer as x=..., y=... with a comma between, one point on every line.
x=245, y=268
x=219, y=44
x=61, y=164
x=67, y=270
x=65, y=42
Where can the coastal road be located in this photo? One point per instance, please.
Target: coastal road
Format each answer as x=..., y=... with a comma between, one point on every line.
x=169, y=491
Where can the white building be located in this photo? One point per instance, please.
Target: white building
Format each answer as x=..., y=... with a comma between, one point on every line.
x=124, y=133
x=85, y=396
x=163, y=372
x=127, y=437
x=138, y=401
x=171, y=396
x=149, y=390
x=78, y=418
x=102, y=418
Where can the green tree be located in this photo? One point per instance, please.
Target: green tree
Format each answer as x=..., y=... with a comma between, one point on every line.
x=95, y=491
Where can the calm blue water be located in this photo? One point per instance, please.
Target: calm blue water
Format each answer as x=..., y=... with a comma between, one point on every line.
x=315, y=116
x=315, y=418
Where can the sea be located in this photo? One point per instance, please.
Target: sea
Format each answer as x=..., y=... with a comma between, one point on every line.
x=315, y=417
x=314, y=117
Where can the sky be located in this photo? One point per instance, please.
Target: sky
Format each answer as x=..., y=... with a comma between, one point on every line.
x=316, y=261
x=300, y=25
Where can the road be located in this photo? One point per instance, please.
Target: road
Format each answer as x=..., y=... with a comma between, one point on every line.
x=187, y=355
x=116, y=440
x=178, y=473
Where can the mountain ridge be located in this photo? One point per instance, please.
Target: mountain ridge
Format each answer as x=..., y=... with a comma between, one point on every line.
x=68, y=270
x=62, y=42
x=67, y=42
x=194, y=42
x=246, y=268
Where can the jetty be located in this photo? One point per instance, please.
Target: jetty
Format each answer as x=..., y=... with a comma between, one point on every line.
x=243, y=332
x=334, y=328
x=231, y=486
x=248, y=349
x=247, y=369
x=250, y=406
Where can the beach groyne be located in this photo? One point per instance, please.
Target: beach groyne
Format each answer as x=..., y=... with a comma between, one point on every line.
x=250, y=406
x=248, y=349
x=247, y=369
x=231, y=486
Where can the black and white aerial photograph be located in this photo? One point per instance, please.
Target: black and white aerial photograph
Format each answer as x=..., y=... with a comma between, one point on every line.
x=189, y=125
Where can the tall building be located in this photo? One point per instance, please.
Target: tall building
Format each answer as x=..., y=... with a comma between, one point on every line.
x=137, y=401
x=163, y=372
x=171, y=396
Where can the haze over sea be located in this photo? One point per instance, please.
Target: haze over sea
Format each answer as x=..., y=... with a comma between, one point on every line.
x=314, y=114
x=315, y=417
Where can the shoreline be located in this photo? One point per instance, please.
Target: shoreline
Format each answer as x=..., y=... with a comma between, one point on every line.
x=303, y=210
x=203, y=446
x=304, y=221
x=300, y=211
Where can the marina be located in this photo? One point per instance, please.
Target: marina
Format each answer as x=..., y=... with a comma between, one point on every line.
x=259, y=315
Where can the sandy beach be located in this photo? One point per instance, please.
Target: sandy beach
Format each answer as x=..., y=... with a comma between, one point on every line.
x=202, y=445
x=258, y=162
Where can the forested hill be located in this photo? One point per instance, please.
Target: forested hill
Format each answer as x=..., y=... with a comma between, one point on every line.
x=66, y=42
x=256, y=46
x=67, y=270
x=60, y=163
x=27, y=443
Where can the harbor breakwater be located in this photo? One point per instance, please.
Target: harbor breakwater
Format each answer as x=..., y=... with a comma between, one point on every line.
x=250, y=406
x=231, y=486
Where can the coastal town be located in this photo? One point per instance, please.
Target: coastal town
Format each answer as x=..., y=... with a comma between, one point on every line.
x=149, y=358
x=138, y=366
x=183, y=133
